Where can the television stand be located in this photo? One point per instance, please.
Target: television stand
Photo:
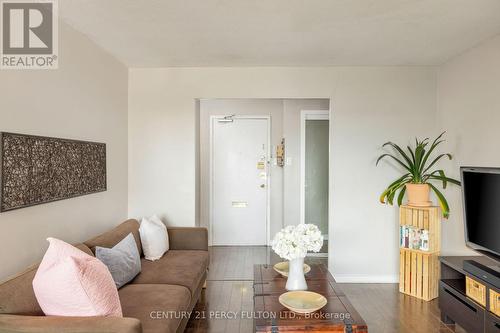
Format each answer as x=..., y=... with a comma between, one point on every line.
x=487, y=273
x=466, y=299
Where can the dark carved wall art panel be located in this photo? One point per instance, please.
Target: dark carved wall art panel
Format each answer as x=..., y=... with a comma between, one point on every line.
x=36, y=170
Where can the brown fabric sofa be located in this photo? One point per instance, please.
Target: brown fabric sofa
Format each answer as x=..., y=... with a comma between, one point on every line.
x=171, y=284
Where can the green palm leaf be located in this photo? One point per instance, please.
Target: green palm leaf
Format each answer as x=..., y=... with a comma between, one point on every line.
x=441, y=173
x=442, y=201
x=394, y=158
x=401, y=195
x=435, y=160
x=390, y=197
x=411, y=154
x=404, y=179
x=433, y=173
x=446, y=179
x=419, y=153
x=434, y=144
x=401, y=152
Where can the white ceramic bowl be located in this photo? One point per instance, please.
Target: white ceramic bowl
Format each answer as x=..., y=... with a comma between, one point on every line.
x=302, y=301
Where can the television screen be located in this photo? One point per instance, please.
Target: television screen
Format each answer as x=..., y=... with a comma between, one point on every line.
x=481, y=195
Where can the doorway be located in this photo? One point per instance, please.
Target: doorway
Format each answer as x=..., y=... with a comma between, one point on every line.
x=315, y=129
x=240, y=152
x=220, y=118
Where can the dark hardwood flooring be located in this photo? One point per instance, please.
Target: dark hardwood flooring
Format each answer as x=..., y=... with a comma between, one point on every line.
x=227, y=303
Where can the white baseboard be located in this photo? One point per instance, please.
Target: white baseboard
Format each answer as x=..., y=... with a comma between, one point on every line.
x=354, y=278
x=318, y=255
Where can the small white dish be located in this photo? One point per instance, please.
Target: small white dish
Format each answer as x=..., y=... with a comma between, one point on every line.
x=302, y=302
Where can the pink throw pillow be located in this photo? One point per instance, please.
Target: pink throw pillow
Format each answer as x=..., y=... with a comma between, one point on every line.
x=69, y=282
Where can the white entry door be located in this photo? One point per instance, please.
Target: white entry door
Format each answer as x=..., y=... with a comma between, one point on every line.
x=239, y=181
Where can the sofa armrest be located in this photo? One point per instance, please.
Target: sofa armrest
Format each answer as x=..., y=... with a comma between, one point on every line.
x=188, y=238
x=51, y=324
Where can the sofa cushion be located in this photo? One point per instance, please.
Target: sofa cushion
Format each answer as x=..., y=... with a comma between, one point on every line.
x=158, y=306
x=154, y=238
x=59, y=324
x=123, y=260
x=17, y=294
x=69, y=282
x=115, y=235
x=179, y=267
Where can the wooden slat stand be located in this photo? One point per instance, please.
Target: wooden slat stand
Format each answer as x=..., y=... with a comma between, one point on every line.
x=419, y=270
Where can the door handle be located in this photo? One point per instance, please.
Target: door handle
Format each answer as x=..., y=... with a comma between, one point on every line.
x=262, y=185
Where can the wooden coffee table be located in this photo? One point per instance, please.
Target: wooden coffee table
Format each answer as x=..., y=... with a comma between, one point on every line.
x=270, y=316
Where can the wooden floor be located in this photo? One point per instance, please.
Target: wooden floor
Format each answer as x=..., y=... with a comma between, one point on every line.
x=229, y=297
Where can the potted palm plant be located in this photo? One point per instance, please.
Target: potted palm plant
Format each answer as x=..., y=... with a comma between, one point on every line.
x=419, y=173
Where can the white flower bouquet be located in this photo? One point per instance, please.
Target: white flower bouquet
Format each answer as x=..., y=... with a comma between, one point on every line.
x=294, y=242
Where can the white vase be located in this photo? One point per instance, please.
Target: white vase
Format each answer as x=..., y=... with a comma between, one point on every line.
x=296, y=279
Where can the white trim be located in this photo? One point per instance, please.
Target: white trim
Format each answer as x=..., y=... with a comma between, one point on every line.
x=310, y=115
x=330, y=182
x=268, y=171
x=361, y=278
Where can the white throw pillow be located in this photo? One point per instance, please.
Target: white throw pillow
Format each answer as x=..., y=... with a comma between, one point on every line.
x=154, y=238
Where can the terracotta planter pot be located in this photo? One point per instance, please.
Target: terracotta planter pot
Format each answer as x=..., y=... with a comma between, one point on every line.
x=418, y=195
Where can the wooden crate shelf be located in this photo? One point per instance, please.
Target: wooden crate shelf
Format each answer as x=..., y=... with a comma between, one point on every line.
x=427, y=218
x=418, y=274
x=419, y=251
x=419, y=270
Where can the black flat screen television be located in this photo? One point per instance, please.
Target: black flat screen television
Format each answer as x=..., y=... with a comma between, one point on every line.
x=481, y=202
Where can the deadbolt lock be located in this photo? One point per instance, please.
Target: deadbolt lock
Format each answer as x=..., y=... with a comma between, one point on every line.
x=262, y=185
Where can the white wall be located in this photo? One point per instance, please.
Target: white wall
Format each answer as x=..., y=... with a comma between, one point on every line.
x=370, y=105
x=469, y=110
x=86, y=98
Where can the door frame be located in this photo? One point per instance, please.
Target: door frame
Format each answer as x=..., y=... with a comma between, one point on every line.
x=213, y=118
x=311, y=115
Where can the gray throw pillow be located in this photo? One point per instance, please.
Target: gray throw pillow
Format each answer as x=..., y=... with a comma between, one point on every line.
x=123, y=260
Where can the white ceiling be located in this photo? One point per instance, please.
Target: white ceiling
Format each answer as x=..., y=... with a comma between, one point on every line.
x=164, y=33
